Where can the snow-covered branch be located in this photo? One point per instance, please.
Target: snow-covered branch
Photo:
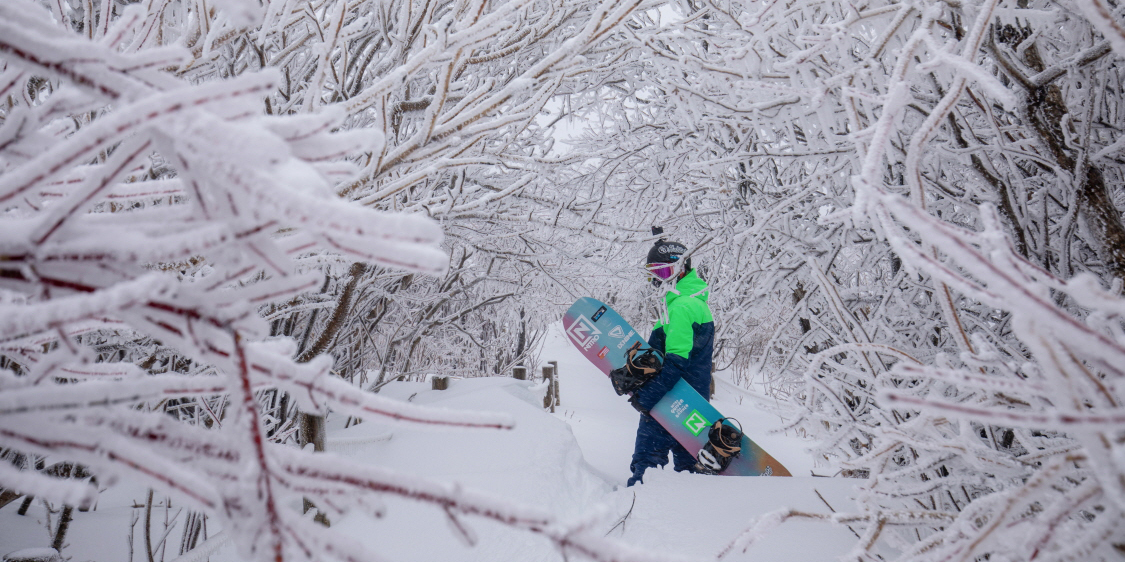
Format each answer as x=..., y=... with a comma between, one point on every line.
x=171, y=170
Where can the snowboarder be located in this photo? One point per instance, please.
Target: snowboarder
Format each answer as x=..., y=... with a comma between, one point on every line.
x=686, y=339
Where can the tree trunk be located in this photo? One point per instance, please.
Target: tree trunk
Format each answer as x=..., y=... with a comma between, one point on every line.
x=1102, y=220
x=64, y=525
x=312, y=426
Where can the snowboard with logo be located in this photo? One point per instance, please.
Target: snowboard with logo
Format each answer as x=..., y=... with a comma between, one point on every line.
x=603, y=336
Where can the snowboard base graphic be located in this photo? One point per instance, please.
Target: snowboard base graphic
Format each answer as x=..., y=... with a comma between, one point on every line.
x=603, y=336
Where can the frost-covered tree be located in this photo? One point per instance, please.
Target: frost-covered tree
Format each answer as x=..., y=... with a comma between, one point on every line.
x=172, y=190
x=460, y=93
x=927, y=197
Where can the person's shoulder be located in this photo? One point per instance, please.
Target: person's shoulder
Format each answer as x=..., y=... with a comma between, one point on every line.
x=687, y=305
x=679, y=303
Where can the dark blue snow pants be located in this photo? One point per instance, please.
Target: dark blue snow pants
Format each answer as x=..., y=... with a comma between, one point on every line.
x=651, y=449
x=654, y=442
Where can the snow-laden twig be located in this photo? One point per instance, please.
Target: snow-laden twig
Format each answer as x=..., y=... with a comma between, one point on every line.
x=175, y=191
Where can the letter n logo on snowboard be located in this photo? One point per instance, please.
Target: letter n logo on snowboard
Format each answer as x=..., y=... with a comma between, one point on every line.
x=696, y=423
x=582, y=332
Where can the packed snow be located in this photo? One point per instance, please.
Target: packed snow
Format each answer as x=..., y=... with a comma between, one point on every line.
x=572, y=463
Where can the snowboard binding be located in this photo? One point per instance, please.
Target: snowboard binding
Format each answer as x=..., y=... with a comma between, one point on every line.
x=640, y=367
x=724, y=443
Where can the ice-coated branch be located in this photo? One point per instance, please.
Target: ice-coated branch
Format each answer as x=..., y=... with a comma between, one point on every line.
x=108, y=456
x=113, y=128
x=1102, y=17
x=85, y=395
x=347, y=398
x=1073, y=421
x=312, y=384
x=32, y=483
x=22, y=321
x=305, y=472
x=968, y=243
x=762, y=524
x=178, y=182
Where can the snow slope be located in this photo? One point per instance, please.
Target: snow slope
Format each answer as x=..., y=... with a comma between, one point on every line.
x=573, y=463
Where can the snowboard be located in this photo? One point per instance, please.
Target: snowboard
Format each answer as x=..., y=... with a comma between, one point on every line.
x=603, y=337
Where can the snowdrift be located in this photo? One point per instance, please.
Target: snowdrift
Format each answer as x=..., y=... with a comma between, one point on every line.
x=572, y=463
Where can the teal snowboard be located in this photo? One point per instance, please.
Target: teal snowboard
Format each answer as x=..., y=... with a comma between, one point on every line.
x=603, y=337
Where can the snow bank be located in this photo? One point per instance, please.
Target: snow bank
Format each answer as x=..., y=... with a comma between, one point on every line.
x=571, y=464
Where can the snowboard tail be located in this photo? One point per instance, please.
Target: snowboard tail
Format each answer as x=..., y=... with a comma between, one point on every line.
x=603, y=336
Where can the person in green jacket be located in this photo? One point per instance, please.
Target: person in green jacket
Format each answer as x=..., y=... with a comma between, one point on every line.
x=686, y=339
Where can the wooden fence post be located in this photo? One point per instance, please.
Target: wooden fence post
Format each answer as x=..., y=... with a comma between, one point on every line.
x=439, y=382
x=519, y=372
x=550, y=399
x=312, y=429
x=555, y=378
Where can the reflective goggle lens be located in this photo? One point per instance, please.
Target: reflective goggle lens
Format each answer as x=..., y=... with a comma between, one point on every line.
x=661, y=270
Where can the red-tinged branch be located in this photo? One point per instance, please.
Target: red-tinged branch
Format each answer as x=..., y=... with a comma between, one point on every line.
x=115, y=126
x=187, y=313
x=347, y=397
x=250, y=413
x=100, y=394
x=95, y=453
x=1115, y=419
x=454, y=500
x=366, y=408
x=149, y=194
x=375, y=480
x=152, y=430
x=124, y=161
x=31, y=345
x=56, y=68
x=1011, y=294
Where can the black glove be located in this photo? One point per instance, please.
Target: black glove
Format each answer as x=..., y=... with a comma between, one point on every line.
x=636, y=404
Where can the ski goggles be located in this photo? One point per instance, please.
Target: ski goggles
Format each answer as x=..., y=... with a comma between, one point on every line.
x=660, y=270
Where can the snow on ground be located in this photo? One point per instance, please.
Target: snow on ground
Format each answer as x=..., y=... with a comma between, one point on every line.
x=573, y=462
x=693, y=514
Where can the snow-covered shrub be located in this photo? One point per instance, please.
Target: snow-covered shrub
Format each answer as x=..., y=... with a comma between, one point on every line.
x=465, y=96
x=1000, y=207
x=170, y=186
x=930, y=196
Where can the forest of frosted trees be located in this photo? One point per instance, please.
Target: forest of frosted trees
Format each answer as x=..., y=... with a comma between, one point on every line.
x=223, y=219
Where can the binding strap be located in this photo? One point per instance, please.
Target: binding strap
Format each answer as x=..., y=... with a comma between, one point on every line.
x=724, y=439
x=641, y=369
